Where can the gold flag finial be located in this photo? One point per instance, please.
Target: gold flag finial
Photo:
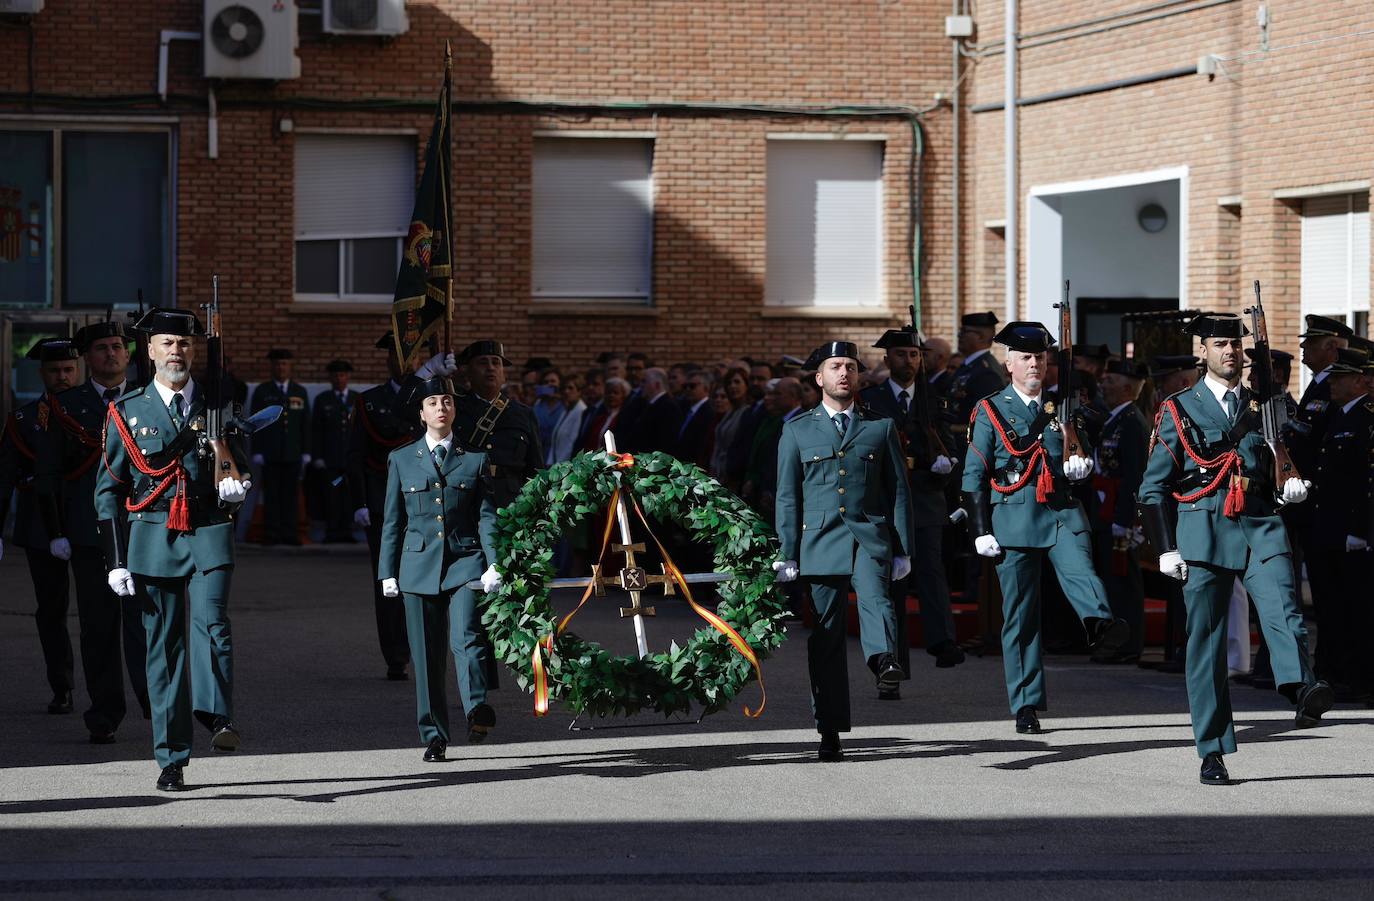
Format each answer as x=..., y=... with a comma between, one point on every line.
x=448, y=55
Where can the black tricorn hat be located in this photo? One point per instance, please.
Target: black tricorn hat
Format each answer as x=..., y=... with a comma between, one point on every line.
x=49, y=349
x=416, y=390
x=280, y=353
x=1217, y=325
x=387, y=341
x=484, y=348
x=1130, y=368
x=1321, y=326
x=979, y=320
x=1278, y=357
x=900, y=337
x=1027, y=337
x=536, y=363
x=1092, y=351
x=1350, y=360
x=835, y=349
x=170, y=321
x=1168, y=365
x=92, y=333
x=338, y=366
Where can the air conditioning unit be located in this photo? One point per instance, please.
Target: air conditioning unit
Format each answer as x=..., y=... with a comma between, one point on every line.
x=368, y=17
x=251, y=39
x=20, y=7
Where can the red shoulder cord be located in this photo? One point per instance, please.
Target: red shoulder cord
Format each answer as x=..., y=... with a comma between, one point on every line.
x=78, y=431
x=1228, y=463
x=1044, y=483
x=179, y=514
x=389, y=443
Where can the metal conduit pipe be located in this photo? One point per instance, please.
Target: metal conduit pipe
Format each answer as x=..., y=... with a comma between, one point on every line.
x=1084, y=23
x=1013, y=212
x=1100, y=87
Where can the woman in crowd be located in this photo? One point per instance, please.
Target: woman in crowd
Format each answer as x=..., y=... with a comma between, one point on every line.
x=735, y=384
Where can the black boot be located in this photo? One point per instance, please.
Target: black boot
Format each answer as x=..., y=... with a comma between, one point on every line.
x=1027, y=723
x=1214, y=771
x=830, y=746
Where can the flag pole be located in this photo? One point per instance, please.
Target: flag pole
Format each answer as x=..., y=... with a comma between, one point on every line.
x=448, y=189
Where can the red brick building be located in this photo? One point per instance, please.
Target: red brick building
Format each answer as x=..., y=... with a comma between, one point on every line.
x=694, y=180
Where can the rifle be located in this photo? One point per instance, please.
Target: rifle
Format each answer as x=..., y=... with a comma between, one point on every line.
x=141, y=361
x=921, y=395
x=1273, y=409
x=1068, y=399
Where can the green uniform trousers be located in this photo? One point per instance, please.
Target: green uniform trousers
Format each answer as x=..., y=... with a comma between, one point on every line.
x=430, y=620
x=928, y=579
x=175, y=704
x=1019, y=574
x=1124, y=585
x=1207, y=596
x=825, y=648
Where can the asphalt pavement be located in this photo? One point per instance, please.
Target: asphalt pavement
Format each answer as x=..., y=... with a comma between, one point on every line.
x=329, y=798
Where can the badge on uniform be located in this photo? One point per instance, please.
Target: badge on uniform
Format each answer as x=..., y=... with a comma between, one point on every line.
x=133, y=421
x=1316, y=406
x=297, y=403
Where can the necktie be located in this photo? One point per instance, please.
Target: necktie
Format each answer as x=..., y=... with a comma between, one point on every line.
x=110, y=394
x=343, y=398
x=904, y=399
x=174, y=408
x=438, y=454
x=841, y=423
x=1035, y=408
x=1231, y=404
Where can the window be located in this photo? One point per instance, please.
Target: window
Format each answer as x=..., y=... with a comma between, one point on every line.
x=354, y=196
x=593, y=219
x=1335, y=257
x=825, y=223
x=91, y=230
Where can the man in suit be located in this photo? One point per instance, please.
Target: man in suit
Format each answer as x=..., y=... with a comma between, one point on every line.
x=1017, y=489
x=26, y=439
x=1209, y=456
x=844, y=519
x=593, y=395
x=437, y=536
x=1121, y=451
x=111, y=627
x=904, y=397
x=655, y=426
x=490, y=423
x=177, y=543
x=935, y=358
x=696, y=435
x=282, y=449
x=979, y=374
x=331, y=427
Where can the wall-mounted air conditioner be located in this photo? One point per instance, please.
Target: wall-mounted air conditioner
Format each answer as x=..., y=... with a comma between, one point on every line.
x=366, y=17
x=251, y=39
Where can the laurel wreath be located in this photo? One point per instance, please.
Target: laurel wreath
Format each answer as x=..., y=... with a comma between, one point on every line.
x=707, y=672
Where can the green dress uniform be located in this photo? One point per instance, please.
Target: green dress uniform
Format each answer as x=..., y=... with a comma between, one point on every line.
x=843, y=514
x=170, y=566
x=1121, y=451
x=25, y=440
x=436, y=537
x=1025, y=502
x=1218, y=546
x=506, y=433
x=111, y=626
x=282, y=445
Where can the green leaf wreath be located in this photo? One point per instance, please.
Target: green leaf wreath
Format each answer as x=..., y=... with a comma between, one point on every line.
x=708, y=672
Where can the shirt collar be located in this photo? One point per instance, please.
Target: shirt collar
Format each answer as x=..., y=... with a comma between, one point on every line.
x=898, y=389
x=696, y=406
x=1346, y=408
x=969, y=358
x=1219, y=389
x=101, y=389
x=446, y=443
x=1117, y=409
x=187, y=392
x=825, y=405
x=1321, y=375
x=792, y=413
x=1025, y=398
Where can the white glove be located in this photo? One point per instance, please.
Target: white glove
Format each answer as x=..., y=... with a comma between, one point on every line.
x=60, y=548
x=785, y=570
x=318, y=463
x=1120, y=532
x=1137, y=537
x=232, y=491
x=987, y=546
x=121, y=582
x=942, y=465
x=1295, y=491
x=258, y=460
x=362, y=519
x=1077, y=468
x=1355, y=543
x=901, y=568
x=1172, y=565
x=390, y=589
x=439, y=364
x=491, y=579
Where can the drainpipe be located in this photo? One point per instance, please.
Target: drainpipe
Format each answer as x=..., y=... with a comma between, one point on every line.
x=1009, y=151
x=168, y=35
x=954, y=188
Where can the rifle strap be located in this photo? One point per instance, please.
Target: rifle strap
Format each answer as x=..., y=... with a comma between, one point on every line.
x=487, y=422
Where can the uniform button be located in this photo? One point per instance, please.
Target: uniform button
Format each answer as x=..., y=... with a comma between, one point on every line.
x=841, y=455
x=803, y=527
x=440, y=517
x=840, y=490
x=488, y=447
x=842, y=509
x=436, y=484
x=841, y=472
x=817, y=457
x=438, y=500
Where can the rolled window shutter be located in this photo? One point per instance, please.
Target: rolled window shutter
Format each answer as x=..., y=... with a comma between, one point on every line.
x=354, y=186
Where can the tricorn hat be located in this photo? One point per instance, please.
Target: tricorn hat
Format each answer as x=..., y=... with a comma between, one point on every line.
x=170, y=321
x=1130, y=368
x=49, y=349
x=338, y=366
x=1028, y=337
x=1217, y=325
x=92, y=333
x=835, y=349
x=1168, y=365
x=1277, y=357
x=484, y=348
x=900, y=337
x=416, y=390
x=1092, y=351
x=979, y=320
x=280, y=353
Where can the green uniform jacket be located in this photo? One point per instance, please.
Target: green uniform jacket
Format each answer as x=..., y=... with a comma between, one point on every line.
x=154, y=549
x=438, y=529
x=512, y=448
x=285, y=440
x=69, y=473
x=25, y=440
x=1205, y=534
x=1018, y=519
x=834, y=492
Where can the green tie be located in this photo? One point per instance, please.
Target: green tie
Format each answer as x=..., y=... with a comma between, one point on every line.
x=1231, y=404
x=1035, y=408
x=438, y=454
x=174, y=410
x=841, y=423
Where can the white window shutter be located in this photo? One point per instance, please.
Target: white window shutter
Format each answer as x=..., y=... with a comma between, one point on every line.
x=354, y=186
x=825, y=223
x=593, y=218
x=1359, y=254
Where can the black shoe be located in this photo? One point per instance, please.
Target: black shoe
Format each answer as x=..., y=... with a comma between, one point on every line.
x=889, y=694
x=829, y=750
x=396, y=674
x=889, y=674
x=947, y=654
x=226, y=736
x=480, y=722
x=1313, y=701
x=171, y=779
x=1214, y=771
x=435, y=752
x=1106, y=636
x=1027, y=723
x=103, y=737
x=61, y=703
